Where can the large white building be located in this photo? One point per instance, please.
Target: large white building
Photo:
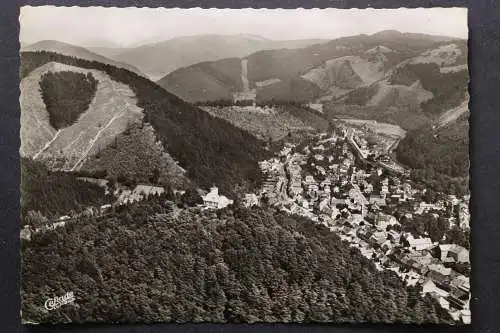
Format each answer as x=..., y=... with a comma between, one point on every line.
x=420, y=243
x=215, y=201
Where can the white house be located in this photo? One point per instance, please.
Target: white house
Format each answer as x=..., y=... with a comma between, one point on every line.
x=378, y=237
x=305, y=204
x=309, y=179
x=319, y=157
x=105, y=208
x=440, y=268
x=419, y=244
x=215, y=201
x=368, y=188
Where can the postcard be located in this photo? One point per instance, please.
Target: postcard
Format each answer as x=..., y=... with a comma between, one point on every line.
x=244, y=165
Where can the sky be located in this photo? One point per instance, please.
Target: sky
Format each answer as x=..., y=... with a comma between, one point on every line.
x=127, y=27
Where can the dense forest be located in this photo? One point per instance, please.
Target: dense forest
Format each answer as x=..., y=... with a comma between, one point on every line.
x=441, y=157
x=211, y=149
x=151, y=264
x=135, y=157
x=67, y=95
x=55, y=193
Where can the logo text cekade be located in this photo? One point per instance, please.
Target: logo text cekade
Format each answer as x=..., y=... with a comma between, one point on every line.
x=58, y=301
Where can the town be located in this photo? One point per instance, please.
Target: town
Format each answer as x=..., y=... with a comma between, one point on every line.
x=339, y=181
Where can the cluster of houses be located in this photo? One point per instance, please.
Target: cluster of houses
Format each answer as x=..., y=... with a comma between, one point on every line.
x=326, y=183
x=126, y=196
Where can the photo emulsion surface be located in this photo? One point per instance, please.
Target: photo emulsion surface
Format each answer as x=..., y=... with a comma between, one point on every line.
x=242, y=166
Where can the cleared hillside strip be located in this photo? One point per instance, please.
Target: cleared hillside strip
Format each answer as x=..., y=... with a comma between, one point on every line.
x=453, y=114
x=47, y=145
x=93, y=141
x=36, y=131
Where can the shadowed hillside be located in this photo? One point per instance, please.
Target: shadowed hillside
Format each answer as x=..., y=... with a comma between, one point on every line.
x=440, y=156
x=215, y=80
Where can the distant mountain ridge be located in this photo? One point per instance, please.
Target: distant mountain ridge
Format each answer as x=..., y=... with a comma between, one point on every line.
x=388, y=69
x=75, y=51
x=159, y=59
x=325, y=71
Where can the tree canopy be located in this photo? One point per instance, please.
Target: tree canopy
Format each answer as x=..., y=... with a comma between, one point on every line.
x=237, y=265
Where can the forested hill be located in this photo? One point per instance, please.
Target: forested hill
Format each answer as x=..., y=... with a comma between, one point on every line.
x=56, y=193
x=232, y=265
x=211, y=150
x=439, y=156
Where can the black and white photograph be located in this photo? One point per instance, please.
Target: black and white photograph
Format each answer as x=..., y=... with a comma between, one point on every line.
x=244, y=165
